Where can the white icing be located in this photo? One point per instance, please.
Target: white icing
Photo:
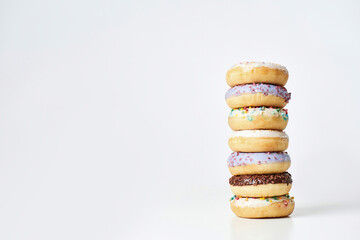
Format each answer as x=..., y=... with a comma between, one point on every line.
x=240, y=112
x=259, y=133
x=260, y=64
x=253, y=203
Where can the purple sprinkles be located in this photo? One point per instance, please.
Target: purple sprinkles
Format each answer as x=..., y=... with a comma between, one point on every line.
x=266, y=89
x=243, y=159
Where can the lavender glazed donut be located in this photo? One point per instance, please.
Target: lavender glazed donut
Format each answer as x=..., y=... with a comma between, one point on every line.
x=261, y=185
x=257, y=95
x=258, y=141
x=258, y=163
x=258, y=118
x=262, y=207
x=257, y=72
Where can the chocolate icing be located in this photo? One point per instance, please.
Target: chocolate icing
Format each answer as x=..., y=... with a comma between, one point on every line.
x=258, y=179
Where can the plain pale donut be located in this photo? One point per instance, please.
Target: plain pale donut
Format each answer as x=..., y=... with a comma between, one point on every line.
x=257, y=95
x=258, y=163
x=258, y=141
x=262, y=207
x=258, y=118
x=261, y=185
x=257, y=72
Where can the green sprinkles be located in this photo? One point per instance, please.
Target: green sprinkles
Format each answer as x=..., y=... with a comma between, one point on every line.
x=285, y=116
x=262, y=198
x=250, y=113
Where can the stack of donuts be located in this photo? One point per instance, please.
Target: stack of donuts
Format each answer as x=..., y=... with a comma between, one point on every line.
x=259, y=163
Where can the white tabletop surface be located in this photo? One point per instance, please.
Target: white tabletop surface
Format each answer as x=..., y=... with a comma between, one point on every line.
x=208, y=216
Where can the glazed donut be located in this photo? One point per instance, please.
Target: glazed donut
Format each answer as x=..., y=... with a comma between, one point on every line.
x=258, y=141
x=261, y=185
x=258, y=163
x=258, y=118
x=257, y=72
x=257, y=95
x=281, y=206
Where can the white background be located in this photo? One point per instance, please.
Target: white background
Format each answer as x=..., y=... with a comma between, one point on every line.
x=113, y=123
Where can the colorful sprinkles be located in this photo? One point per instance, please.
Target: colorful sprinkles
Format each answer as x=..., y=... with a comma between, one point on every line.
x=266, y=89
x=243, y=159
x=267, y=199
x=249, y=113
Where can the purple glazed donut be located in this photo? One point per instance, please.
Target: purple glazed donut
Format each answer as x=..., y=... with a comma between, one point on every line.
x=257, y=95
x=258, y=162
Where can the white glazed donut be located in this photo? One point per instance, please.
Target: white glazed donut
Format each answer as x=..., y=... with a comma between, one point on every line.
x=258, y=141
x=258, y=118
x=257, y=72
x=262, y=207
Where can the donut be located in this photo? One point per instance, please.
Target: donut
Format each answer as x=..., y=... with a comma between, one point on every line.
x=257, y=72
x=257, y=95
x=263, y=207
x=258, y=162
x=261, y=185
x=258, y=118
x=258, y=141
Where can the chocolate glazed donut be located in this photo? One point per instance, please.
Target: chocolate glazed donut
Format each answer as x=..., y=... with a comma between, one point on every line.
x=258, y=179
x=261, y=185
